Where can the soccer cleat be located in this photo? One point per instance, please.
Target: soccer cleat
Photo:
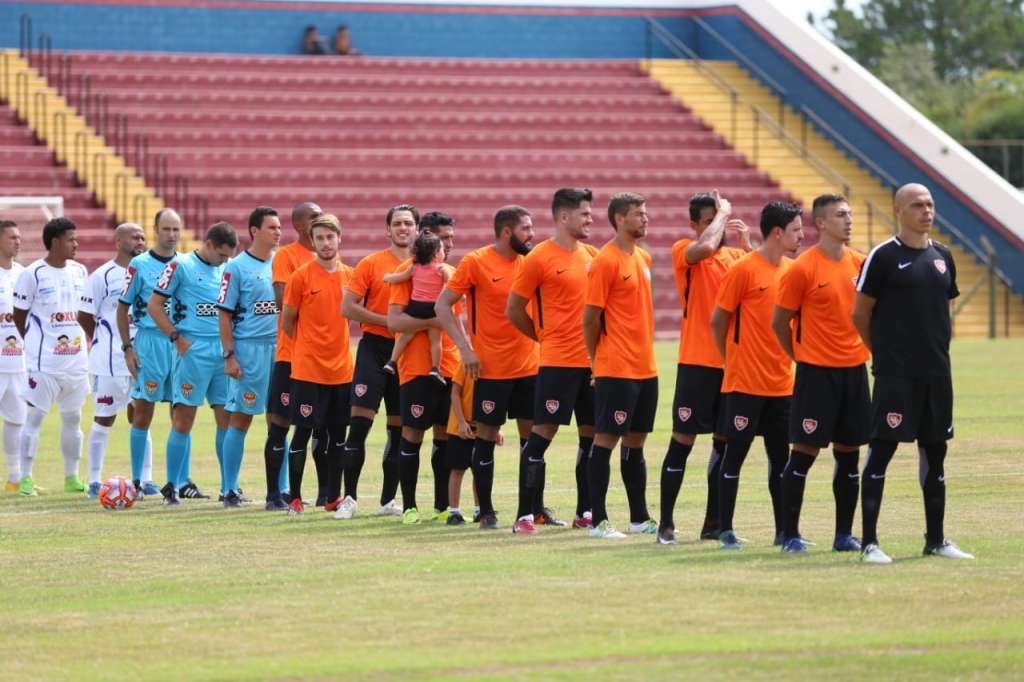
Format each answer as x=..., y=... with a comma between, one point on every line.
x=946, y=550
x=276, y=504
x=476, y=515
x=583, y=522
x=190, y=491
x=546, y=517
x=873, y=554
x=94, y=490
x=11, y=487
x=489, y=522
x=347, y=509
x=390, y=368
x=441, y=516
x=727, y=540
x=410, y=516
x=846, y=543
x=524, y=526
x=667, y=535
x=606, y=531
x=27, y=487
x=648, y=527
x=150, y=488
x=709, y=531
x=435, y=374
x=332, y=505
x=794, y=546
x=295, y=507
x=455, y=519
x=232, y=500
x=390, y=508
x=170, y=494
x=74, y=484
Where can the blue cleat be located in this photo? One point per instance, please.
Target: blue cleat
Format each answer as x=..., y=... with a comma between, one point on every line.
x=93, y=492
x=727, y=540
x=794, y=546
x=846, y=543
x=150, y=488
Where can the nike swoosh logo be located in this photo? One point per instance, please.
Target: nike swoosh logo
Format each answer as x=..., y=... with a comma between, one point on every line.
x=278, y=449
x=728, y=476
x=877, y=477
x=625, y=277
x=949, y=430
x=823, y=285
x=409, y=454
x=317, y=291
x=853, y=475
x=674, y=471
x=487, y=463
x=903, y=265
x=531, y=459
x=559, y=272
x=797, y=473
x=762, y=288
x=497, y=279
x=942, y=479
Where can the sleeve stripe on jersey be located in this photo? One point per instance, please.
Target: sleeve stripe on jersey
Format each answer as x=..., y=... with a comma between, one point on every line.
x=867, y=262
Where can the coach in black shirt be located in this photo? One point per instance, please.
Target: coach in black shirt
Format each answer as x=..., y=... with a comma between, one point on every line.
x=902, y=313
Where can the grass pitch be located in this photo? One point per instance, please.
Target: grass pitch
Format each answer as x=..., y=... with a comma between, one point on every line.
x=202, y=592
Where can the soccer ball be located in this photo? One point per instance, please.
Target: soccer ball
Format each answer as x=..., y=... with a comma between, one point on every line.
x=117, y=493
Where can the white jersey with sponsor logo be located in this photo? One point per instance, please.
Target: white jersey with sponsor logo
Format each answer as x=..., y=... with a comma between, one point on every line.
x=102, y=291
x=12, y=349
x=54, y=341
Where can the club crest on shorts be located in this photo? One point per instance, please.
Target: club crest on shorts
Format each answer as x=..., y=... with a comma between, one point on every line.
x=151, y=386
x=286, y=398
x=893, y=419
x=305, y=410
x=360, y=390
x=186, y=390
x=940, y=265
x=685, y=413
x=487, y=406
x=620, y=417
x=32, y=383
x=810, y=426
x=249, y=399
x=551, y=406
x=416, y=410
x=740, y=422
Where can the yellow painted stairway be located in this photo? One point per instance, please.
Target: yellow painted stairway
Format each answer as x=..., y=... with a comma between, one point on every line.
x=772, y=137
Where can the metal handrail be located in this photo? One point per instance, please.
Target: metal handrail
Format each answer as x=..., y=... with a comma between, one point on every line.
x=41, y=119
x=847, y=145
x=140, y=207
x=45, y=54
x=5, y=76
x=99, y=172
x=120, y=198
x=21, y=96
x=60, y=133
x=25, y=37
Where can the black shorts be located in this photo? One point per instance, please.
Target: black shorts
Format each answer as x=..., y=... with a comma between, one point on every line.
x=425, y=403
x=279, y=397
x=317, y=406
x=562, y=392
x=697, y=402
x=756, y=415
x=830, y=405
x=369, y=383
x=421, y=310
x=907, y=409
x=494, y=400
x=459, y=452
x=624, y=406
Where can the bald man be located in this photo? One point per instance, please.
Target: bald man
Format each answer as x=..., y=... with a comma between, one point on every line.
x=902, y=313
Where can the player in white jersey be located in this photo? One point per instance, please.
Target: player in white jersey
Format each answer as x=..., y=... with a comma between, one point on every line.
x=111, y=380
x=46, y=299
x=12, y=354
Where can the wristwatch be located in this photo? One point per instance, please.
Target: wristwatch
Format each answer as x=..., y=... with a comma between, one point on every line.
x=174, y=336
x=228, y=354
x=126, y=346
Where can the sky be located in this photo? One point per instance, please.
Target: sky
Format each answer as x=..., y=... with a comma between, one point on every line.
x=800, y=8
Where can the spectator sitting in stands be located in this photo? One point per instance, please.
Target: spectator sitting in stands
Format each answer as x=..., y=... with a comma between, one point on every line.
x=343, y=43
x=313, y=42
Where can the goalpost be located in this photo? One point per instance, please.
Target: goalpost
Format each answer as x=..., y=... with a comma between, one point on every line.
x=31, y=213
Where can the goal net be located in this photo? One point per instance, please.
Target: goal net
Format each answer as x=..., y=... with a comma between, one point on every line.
x=30, y=213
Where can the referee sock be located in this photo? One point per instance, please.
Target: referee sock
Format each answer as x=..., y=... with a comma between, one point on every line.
x=880, y=452
x=673, y=469
x=98, y=437
x=845, y=489
x=177, y=446
x=932, y=457
x=184, y=472
x=439, y=465
x=714, y=472
x=321, y=441
x=531, y=468
x=297, y=460
x=408, y=471
x=389, y=465
x=219, y=444
x=634, y=475
x=599, y=471
x=234, y=451
x=794, y=477
x=12, y=451
x=137, y=440
x=582, y=479
x=355, y=453
x=273, y=458
x=483, y=473
x=729, y=482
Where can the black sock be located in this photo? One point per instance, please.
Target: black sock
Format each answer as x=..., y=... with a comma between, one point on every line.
x=672, y=471
x=273, y=458
x=633, y=467
x=439, y=465
x=872, y=486
x=531, y=472
x=483, y=473
x=389, y=488
x=599, y=471
x=933, y=487
x=408, y=471
x=794, y=476
x=321, y=441
x=335, y=457
x=845, y=489
x=355, y=453
x=729, y=480
x=297, y=460
x=714, y=472
x=776, y=447
x=582, y=480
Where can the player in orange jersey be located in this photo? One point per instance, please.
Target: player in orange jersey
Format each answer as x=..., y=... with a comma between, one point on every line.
x=618, y=331
x=699, y=265
x=553, y=279
x=503, y=361
x=758, y=373
x=831, y=401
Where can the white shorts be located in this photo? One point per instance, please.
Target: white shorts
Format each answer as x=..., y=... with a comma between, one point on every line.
x=12, y=404
x=110, y=395
x=68, y=391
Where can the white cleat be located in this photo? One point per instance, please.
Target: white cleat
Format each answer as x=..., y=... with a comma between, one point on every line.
x=606, y=531
x=347, y=509
x=391, y=508
x=873, y=554
x=947, y=550
x=648, y=527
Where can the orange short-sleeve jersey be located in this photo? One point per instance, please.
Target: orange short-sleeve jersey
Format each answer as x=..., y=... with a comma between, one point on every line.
x=287, y=260
x=697, y=284
x=754, y=361
x=321, y=353
x=821, y=291
x=368, y=284
x=415, y=360
x=620, y=284
x=465, y=384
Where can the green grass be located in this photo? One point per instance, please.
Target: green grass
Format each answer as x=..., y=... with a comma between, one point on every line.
x=205, y=593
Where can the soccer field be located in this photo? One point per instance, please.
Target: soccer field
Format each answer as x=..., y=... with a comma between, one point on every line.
x=201, y=592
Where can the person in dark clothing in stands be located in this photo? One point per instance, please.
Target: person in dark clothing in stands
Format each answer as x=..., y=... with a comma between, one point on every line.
x=313, y=42
x=343, y=43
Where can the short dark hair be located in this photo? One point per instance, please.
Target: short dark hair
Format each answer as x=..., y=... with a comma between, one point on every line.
x=56, y=227
x=777, y=214
x=569, y=199
x=425, y=247
x=257, y=216
x=434, y=220
x=508, y=216
x=820, y=202
x=620, y=204
x=4, y=224
x=698, y=202
x=403, y=207
x=222, y=234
